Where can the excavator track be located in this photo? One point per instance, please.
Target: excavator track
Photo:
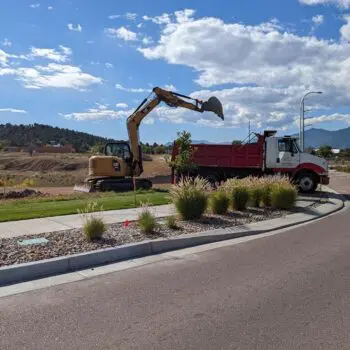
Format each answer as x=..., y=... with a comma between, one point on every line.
x=121, y=185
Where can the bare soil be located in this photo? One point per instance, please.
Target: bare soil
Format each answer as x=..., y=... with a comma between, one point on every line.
x=57, y=173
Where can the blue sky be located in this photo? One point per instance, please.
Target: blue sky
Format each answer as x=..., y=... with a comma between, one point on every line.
x=86, y=64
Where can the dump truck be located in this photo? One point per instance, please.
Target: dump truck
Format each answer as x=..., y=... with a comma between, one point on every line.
x=264, y=154
x=120, y=166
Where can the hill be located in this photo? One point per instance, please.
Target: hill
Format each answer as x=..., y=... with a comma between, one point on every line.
x=38, y=134
x=337, y=139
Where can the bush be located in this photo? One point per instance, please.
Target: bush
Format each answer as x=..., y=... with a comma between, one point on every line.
x=171, y=222
x=219, y=202
x=240, y=197
x=266, y=195
x=190, y=197
x=283, y=196
x=94, y=226
x=147, y=221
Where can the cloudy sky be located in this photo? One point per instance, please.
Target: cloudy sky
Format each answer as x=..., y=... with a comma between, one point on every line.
x=85, y=64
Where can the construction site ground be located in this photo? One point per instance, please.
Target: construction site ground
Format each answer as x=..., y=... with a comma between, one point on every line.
x=56, y=174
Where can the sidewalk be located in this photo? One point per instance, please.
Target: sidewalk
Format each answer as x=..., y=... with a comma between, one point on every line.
x=58, y=223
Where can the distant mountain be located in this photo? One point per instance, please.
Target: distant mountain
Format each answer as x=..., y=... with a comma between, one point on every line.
x=318, y=137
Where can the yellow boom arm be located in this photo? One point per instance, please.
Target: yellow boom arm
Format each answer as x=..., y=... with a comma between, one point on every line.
x=172, y=99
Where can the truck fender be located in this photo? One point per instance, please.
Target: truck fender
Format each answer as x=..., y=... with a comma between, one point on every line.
x=308, y=167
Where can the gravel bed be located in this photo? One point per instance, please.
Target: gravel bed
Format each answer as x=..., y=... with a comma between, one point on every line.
x=73, y=241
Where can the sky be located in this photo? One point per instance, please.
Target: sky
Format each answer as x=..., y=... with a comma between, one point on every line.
x=87, y=64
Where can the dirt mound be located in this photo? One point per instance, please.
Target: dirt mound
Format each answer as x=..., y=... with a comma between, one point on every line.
x=43, y=164
x=19, y=194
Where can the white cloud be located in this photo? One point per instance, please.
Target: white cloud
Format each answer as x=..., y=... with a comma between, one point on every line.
x=50, y=8
x=74, y=27
x=109, y=65
x=13, y=110
x=34, y=6
x=122, y=33
x=162, y=19
x=6, y=42
x=62, y=55
x=327, y=118
x=339, y=3
x=345, y=29
x=4, y=58
x=139, y=25
x=131, y=16
x=97, y=114
x=136, y=90
x=318, y=19
x=90, y=42
x=52, y=76
x=114, y=16
x=170, y=87
x=121, y=105
x=263, y=55
x=147, y=40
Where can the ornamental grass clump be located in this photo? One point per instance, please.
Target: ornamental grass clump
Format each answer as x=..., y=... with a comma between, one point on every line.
x=283, y=196
x=94, y=226
x=238, y=192
x=219, y=202
x=146, y=220
x=190, y=197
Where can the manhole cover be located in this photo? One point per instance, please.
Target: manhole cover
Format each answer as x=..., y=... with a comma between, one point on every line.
x=33, y=241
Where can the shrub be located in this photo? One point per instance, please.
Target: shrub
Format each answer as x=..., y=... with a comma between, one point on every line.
x=266, y=195
x=219, y=202
x=171, y=222
x=283, y=196
x=94, y=226
x=240, y=197
x=190, y=197
x=146, y=221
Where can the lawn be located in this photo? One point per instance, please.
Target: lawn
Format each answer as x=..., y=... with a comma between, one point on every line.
x=11, y=210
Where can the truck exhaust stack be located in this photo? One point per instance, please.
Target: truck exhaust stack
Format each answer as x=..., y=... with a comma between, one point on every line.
x=213, y=105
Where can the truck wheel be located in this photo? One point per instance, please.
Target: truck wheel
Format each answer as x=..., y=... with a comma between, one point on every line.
x=307, y=183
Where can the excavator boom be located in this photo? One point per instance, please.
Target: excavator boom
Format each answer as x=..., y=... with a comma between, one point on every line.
x=172, y=99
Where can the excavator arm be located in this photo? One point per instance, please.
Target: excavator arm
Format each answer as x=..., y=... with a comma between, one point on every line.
x=172, y=99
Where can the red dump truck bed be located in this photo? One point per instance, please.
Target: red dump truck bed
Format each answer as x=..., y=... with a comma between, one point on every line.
x=248, y=155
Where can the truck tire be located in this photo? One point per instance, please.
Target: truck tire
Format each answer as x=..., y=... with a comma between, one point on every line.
x=307, y=182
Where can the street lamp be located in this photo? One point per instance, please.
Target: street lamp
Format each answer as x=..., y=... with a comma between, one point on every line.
x=302, y=112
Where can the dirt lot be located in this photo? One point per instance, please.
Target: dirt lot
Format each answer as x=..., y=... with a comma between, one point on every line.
x=57, y=173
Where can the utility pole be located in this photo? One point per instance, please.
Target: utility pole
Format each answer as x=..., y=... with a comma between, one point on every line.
x=302, y=119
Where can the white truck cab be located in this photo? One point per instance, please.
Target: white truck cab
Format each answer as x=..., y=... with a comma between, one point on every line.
x=283, y=155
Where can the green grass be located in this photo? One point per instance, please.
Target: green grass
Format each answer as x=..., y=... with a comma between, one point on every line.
x=12, y=210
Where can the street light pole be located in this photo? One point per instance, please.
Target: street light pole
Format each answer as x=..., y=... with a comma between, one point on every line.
x=302, y=119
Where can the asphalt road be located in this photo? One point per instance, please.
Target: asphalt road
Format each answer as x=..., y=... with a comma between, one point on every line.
x=287, y=291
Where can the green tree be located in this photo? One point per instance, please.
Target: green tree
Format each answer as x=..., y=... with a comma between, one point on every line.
x=183, y=161
x=325, y=151
x=236, y=142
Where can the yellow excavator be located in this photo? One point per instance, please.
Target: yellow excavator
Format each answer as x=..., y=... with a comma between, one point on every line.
x=118, y=169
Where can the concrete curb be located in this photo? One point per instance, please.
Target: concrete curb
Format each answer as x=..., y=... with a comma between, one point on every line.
x=44, y=268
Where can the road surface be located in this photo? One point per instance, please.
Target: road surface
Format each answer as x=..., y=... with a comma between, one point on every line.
x=286, y=291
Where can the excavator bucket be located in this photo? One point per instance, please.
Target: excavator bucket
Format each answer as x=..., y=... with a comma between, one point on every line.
x=213, y=105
